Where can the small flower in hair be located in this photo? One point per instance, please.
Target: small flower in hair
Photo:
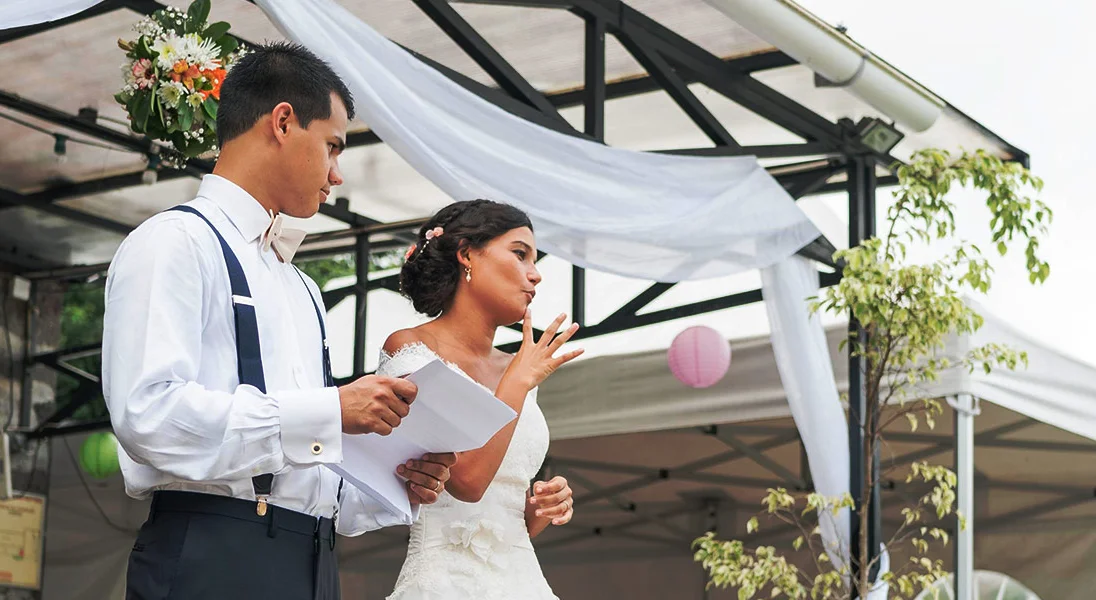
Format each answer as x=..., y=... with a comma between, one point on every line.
x=410, y=251
x=435, y=232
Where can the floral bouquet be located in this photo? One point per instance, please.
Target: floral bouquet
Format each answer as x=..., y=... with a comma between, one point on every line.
x=173, y=78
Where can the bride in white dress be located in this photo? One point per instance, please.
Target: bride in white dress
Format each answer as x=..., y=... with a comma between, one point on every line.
x=474, y=269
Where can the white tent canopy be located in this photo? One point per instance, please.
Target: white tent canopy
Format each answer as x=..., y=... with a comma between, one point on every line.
x=637, y=392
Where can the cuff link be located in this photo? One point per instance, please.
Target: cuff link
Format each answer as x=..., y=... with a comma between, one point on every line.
x=317, y=448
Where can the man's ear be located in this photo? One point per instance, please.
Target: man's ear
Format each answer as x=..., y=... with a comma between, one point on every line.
x=282, y=118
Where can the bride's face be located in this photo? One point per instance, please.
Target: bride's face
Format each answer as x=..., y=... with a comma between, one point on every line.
x=505, y=275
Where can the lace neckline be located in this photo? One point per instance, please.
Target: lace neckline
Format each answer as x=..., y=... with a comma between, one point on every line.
x=411, y=347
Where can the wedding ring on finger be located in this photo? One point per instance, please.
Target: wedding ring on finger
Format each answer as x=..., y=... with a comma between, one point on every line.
x=437, y=488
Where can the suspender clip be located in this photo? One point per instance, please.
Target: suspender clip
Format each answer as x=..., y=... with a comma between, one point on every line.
x=260, y=507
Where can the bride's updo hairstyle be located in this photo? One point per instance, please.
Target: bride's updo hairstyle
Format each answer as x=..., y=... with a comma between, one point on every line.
x=430, y=273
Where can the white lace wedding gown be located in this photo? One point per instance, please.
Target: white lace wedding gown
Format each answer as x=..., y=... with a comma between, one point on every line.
x=476, y=551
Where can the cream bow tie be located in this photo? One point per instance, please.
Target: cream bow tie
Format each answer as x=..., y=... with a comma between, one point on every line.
x=284, y=240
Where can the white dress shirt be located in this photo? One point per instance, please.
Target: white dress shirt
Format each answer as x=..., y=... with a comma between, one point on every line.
x=169, y=367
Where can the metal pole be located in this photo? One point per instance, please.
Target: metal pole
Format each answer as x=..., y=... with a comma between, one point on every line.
x=594, y=126
x=861, y=189
x=361, y=269
x=965, y=410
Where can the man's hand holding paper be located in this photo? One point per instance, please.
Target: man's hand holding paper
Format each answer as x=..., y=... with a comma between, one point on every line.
x=451, y=414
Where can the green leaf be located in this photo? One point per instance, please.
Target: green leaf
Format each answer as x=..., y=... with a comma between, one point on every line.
x=228, y=45
x=751, y=525
x=186, y=116
x=142, y=106
x=197, y=13
x=143, y=50
x=216, y=30
x=210, y=107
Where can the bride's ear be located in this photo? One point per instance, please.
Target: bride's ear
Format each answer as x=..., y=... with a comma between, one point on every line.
x=463, y=256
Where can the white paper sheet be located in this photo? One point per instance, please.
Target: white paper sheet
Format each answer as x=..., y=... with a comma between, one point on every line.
x=451, y=413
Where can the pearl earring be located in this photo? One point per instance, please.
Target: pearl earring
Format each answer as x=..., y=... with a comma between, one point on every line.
x=468, y=273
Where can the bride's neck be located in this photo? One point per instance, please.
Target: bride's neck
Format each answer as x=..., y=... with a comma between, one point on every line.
x=470, y=330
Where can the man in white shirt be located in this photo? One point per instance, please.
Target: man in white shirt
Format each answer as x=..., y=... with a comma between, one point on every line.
x=215, y=363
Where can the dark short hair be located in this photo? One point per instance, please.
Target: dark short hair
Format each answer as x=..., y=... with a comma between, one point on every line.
x=271, y=74
x=430, y=275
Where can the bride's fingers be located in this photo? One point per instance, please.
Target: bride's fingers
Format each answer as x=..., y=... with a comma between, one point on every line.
x=562, y=338
x=549, y=500
x=555, y=510
x=561, y=360
x=550, y=333
x=527, y=328
x=565, y=519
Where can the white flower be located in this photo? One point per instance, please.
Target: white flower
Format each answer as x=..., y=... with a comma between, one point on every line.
x=148, y=27
x=195, y=100
x=171, y=93
x=485, y=538
x=169, y=48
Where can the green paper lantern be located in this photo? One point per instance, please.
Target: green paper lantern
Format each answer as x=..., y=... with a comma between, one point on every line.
x=99, y=455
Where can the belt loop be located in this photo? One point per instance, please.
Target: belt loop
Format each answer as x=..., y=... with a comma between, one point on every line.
x=316, y=537
x=152, y=507
x=333, y=535
x=271, y=527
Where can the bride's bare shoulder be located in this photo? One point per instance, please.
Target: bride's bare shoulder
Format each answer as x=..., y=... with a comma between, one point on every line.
x=406, y=337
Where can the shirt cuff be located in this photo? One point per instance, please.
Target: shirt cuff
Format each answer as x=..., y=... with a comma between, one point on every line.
x=311, y=426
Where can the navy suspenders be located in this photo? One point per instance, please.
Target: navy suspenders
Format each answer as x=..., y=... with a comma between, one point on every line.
x=249, y=362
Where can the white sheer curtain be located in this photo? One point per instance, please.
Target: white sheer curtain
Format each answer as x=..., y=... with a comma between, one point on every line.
x=646, y=215
x=19, y=13
x=806, y=372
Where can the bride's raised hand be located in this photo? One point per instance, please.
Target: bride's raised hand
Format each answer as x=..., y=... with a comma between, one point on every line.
x=535, y=361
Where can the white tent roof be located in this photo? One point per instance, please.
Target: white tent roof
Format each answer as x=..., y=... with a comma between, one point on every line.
x=637, y=392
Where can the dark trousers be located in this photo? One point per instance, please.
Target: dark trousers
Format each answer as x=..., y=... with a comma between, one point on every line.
x=201, y=546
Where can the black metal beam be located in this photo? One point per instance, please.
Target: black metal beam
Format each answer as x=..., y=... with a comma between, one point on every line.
x=54, y=431
x=761, y=151
x=486, y=56
x=861, y=189
x=10, y=199
x=642, y=84
x=636, y=304
x=677, y=89
x=805, y=183
x=670, y=314
x=17, y=33
x=63, y=191
x=821, y=250
x=361, y=303
x=594, y=126
x=842, y=186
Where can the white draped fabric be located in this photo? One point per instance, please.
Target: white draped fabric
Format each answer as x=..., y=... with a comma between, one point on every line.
x=646, y=215
x=20, y=13
x=806, y=372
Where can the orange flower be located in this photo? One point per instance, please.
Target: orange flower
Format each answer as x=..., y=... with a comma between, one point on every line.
x=180, y=67
x=217, y=76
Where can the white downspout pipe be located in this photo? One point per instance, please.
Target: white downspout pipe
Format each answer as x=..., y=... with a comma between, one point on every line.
x=831, y=54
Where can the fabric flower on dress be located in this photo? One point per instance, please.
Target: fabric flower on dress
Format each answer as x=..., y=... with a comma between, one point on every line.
x=485, y=538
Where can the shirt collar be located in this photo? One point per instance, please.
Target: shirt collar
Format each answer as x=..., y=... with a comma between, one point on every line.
x=243, y=210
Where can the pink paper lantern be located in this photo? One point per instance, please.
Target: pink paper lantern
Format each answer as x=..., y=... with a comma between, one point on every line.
x=699, y=356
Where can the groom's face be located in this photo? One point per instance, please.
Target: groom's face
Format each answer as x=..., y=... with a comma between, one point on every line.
x=311, y=161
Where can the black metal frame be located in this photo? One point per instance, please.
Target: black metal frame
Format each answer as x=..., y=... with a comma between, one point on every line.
x=672, y=63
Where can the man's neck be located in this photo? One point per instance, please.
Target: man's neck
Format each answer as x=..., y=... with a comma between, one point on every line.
x=247, y=175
